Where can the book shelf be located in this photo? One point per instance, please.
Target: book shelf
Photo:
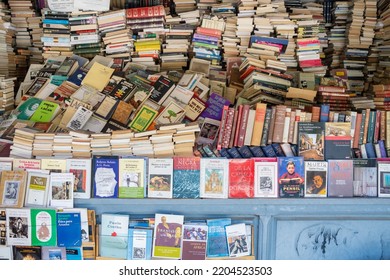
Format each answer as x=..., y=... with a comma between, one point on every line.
x=353, y=228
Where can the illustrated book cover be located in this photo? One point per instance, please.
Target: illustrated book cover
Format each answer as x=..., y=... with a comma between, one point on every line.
x=338, y=140
x=105, y=176
x=37, y=189
x=291, y=178
x=81, y=169
x=365, y=179
x=13, y=188
x=316, y=178
x=194, y=242
x=132, y=174
x=214, y=177
x=186, y=177
x=18, y=226
x=340, y=178
x=140, y=244
x=311, y=136
x=53, y=253
x=383, y=179
x=237, y=240
x=160, y=178
x=217, y=245
x=27, y=253
x=43, y=227
x=266, y=177
x=241, y=178
x=61, y=190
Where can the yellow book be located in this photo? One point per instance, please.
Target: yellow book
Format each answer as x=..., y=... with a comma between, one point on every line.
x=98, y=76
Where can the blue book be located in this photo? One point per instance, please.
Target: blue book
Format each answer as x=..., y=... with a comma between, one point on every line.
x=294, y=148
x=324, y=112
x=268, y=151
x=77, y=77
x=140, y=244
x=55, y=21
x=370, y=150
x=105, y=176
x=68, y=229
x=278, y=149
x=224, y=153
x=382, y=149
x=217, y=245
x=74, y=253
x=186, y=177
x=245, y=152
x=233, y=152
x=257, y=151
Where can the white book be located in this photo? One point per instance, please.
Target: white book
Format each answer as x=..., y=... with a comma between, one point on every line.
x=84, y=221
x=237, y=240
x=160, y=178
x=249, y=127
x=80, y=118
x=81, y=168
x=214, y=177
x=19, y=226
x=53, y=164
x=316, y=174
x=114, y=232
x=6, y=163
x=266, y=184
x=286, y=125
x=61, y=190
x=37, y=189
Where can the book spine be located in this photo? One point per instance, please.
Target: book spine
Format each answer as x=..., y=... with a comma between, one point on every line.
x=266, y=127
x=238, y=124
x=268, y=151
x=243, y=125
x=222, y=127
x=366, y=125
x=356, y=135
x=234, y=126
x=387, y=130
x=291, y=127
x=286, y=127
x=271, y=126
x=377, y=126
x=259, y=124
x=362, y=126
x=382, y=148
x=382, y=134
x=228, y=128
x=280, y=115
x=245, y=152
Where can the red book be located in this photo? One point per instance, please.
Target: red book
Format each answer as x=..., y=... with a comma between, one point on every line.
x=145, y=12
x=242, y=125
x=228, y=128
x=237, y=125
x=223, y=126
x=209, y=31
x=310, y=63
x=233, y=132
x=355, y=143
x=241, y=178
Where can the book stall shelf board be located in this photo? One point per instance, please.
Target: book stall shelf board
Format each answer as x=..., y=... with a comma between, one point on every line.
x=356, y=219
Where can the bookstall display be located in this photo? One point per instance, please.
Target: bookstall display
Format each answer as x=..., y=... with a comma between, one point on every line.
x=193, y=129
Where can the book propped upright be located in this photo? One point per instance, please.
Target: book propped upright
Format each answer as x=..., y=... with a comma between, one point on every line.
x=241, y=178
x=105, y=173
x=217, y=245
x=114, y=235
x=186, y=177
x=68, y=229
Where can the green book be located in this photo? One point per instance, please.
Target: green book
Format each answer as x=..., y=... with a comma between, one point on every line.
x=43, y=227
x=46, y=111
x=28, y=108
x=143, y=119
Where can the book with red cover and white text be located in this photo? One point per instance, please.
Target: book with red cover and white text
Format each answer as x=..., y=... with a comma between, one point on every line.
x=241, y=178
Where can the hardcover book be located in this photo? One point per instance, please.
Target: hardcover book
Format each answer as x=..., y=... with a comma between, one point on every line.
x=311, y=140
x=68, y=229
x=132, y=174
x=194, y=242
x=114, y=235
x=266, y=177
x=140, y=244
x=160, y=177
x=186, y=177
x=13, y=188
x=340, y=178
x=237, y=240
x=43, y=227
x=214, y=177
x=105, y=176
x=81, y=169
x=18, y=229
x=291, y=178
x=316, y=175
x=365, y=178
x=241, y=177
x=217, y=245
x=168, y=236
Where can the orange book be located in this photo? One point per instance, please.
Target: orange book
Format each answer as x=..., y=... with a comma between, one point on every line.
x=259, y=124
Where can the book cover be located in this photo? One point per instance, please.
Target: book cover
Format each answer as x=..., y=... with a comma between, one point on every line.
x=43, y=227
x=26, y=109
x=27, y=253
x=340, y=178
x=61, y=190
x=13, y=188
x=291, y=178
x=140, y=244
x=55, y=165
x=37, y=189
x=132, y=183
x=167, y=236
x=18, y=226
x=208, y=132
x=266, y=177
x=85, y=228
x=338, y=140
x=54, y=253
x=98, y=76
x=217, y=245
x=194, y=242
x=46, y=111
x=214, y=107
x=241, y=177
x=82, y=171
x=171, y=114
x=311, y=140
x=23, y=164
x=105, y=176
x=160, y=178
x=68, y=229
x=214, y=177
x=383, y=178
x=316, y=175
x=237, y=240
x=114, y=234
x=3, y=229
x=365, y=178
x=74, y=253
x=186, y=177
x=143, y=118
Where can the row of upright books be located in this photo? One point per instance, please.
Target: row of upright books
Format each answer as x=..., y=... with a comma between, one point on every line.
x=66, y=234
x=56, y=183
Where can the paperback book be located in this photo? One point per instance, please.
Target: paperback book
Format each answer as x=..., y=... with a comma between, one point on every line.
x=266, y=177
x=214, y=177
x=186, y=177
x=316, y=175
x=160, y=178
x=291, y=177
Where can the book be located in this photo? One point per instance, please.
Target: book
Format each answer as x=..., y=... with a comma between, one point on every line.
x=68, y=229
x=237, y=240
x=132, y=177
x=209, y=131
x=266, y=177
x=45, y=112
x=82, y=171
x=291, y=178
x=365, y=178
x=98, y=76
x=316, y=177
x=340, y=178
x=259, y=124
x=74, y=253
x=105, y=176
x=140, y=244
x=114, y=235
x=55, y=165
x=19, y=229
x=143, y=119
x=338, y=140
x=43, y=227
x=167, y=236
x=214, y=177
x=54, y=253
x=27, y=253
x=61, y=190
x=311, y=140
x=383, y=179
x=194, y=241
x=217, y=245
x=37, y=189
x=160, y=177
x=186, y=177
x=13, y=188
x=241, y=178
